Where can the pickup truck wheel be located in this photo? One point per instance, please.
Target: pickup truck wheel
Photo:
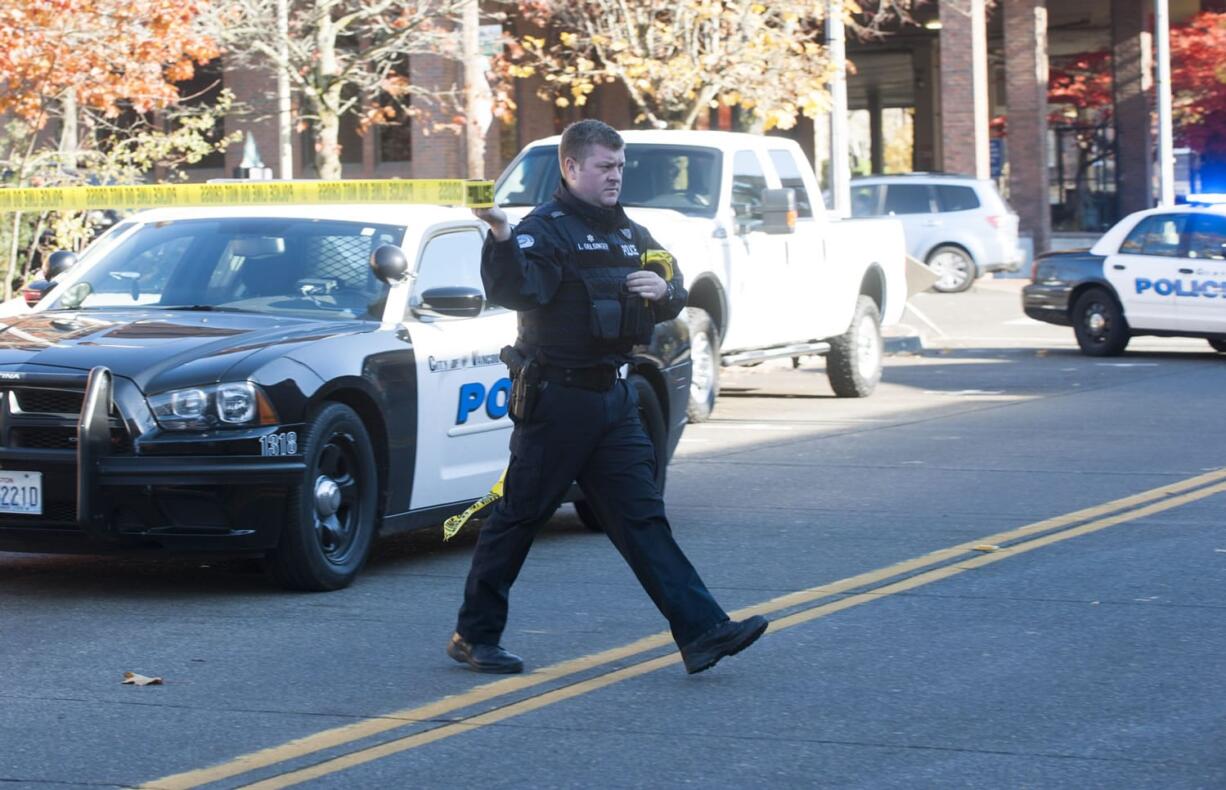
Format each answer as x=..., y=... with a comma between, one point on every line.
x=853, y=365
x=1099, y=324
x=1218, y=343
x=955, y=267
x=704, y=352
x=330, y=518
x=651, y=414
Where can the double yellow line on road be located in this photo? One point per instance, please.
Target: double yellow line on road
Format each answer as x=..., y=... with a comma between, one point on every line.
x=907, y=575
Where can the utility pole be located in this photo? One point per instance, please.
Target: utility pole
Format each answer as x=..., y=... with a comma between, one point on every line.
x=474, y=77
x=285, y=134
x=840, y=168
x=1166, y=155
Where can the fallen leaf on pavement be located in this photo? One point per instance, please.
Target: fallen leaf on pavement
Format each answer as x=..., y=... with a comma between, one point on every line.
x=133, y=679
x=987, y=547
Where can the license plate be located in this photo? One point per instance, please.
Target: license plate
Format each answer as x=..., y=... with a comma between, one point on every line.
x=21, y=492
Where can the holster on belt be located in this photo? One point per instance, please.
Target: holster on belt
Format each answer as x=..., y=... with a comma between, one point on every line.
x=525, y=382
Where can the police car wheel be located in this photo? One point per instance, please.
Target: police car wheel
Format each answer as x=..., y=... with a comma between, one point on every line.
x=704, y=373
x=853, y=365
x=652, y=415
x=1219, y=344
x=330, y=515
x=955, y=267
x=1099, y=324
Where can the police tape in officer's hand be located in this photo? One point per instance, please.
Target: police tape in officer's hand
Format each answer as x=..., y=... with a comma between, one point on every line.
x=658, y=261
x=453, y=525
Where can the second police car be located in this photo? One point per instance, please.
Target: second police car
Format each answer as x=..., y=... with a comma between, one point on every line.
x=1157, y=272
x=282, y=381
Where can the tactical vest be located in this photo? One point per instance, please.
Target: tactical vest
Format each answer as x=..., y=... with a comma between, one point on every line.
x=592, y=309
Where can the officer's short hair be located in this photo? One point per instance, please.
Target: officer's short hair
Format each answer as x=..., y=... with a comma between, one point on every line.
x=582, y=135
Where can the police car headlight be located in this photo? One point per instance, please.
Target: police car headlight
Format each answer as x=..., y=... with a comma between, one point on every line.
x=235, y=404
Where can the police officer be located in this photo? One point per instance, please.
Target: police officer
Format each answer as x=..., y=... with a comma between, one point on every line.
x=573, y=268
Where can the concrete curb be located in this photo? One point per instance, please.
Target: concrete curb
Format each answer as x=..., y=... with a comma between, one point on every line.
x=910, y=343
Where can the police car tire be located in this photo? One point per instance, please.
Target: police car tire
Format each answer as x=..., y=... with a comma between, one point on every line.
x=1115, y=339
x=853, y=365
x=652, y=415
x=703, y=329
x=1218, y=343
x=300, y=561
x=968, y=264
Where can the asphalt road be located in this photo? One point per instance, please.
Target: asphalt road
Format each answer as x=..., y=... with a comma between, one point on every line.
x=1005, y=569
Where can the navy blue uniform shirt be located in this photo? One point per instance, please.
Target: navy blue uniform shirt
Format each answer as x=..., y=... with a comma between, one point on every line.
x=527, y=271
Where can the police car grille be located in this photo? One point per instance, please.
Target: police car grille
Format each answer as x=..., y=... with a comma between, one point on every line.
x=45, y=418
x=45, y=401
x=42, y=437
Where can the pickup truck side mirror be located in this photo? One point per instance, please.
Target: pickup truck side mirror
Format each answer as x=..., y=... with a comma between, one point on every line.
x=779, y=210
x=449, y=302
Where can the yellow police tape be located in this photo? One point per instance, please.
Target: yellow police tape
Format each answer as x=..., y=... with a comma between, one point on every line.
x=454, y=524
x=658, y=261
x=446, y=191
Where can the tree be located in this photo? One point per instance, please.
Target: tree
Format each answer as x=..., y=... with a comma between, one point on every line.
x=345, y=57
x=1198, y=83
x=98, y=66
x=107, y=54
x=1079, y=95
x=675, y=58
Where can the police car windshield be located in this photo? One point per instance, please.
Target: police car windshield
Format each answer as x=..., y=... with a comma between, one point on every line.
x=681, y=178
x=312, y=268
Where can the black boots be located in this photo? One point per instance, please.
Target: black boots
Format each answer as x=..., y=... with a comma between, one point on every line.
x=726, y=639
x=484, y=658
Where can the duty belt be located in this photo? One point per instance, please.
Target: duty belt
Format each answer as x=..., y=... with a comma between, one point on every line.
x=597, y=377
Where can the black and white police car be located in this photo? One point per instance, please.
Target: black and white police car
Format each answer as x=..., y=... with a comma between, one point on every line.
x=1157, y=272
x=284, y=381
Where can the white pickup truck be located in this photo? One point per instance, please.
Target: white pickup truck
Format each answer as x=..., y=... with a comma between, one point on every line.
x=770, y=273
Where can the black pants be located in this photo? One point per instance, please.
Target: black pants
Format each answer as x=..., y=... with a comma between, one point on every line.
x=596, y=439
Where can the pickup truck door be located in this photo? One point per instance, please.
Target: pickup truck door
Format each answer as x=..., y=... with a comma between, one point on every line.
x=762, y=300
x=1145, y=271
x=463, y=429
x=808, y=270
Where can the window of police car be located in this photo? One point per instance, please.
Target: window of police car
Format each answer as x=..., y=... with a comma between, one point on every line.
x=297, y=267
x=1157, y=235
x=1208, y=238
x=449, y=260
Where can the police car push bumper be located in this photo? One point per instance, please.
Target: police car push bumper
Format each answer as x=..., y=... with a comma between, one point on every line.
x=99, y=472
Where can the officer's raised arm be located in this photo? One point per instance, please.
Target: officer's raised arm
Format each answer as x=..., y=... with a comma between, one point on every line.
x=519, y=266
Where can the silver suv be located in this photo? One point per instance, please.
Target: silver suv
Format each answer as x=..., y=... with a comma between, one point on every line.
x=958, y=225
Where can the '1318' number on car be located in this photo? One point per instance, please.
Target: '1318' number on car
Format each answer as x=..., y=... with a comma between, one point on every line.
x=279, y=444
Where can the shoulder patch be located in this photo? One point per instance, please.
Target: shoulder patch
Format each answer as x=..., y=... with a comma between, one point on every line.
x=556, y=214
x=525, y=241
